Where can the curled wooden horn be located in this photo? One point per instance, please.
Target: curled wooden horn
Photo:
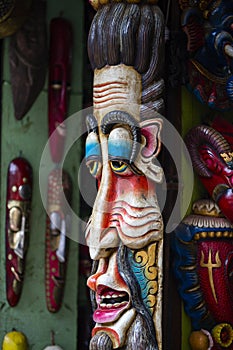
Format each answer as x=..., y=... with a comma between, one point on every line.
x=204, y=136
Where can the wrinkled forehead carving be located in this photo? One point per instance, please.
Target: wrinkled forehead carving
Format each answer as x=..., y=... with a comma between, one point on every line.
x=128, y=35
x=119, y=86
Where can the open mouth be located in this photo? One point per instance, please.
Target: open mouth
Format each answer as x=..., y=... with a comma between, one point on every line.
x=111, y=304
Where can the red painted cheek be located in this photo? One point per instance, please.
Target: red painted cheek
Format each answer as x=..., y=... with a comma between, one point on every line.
x=137, y=185
x=117, y=187
x=110, y=194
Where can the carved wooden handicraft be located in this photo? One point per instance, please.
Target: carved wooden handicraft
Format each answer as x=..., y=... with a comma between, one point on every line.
x=28, y=59
x=57, y=227
x=209, y=28
x=59, y=193
x=19, y=193
x=125, y=230
x=203, y=242
x=60, y=54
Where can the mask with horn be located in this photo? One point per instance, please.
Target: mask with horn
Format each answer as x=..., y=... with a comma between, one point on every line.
x=209, y=29
x=212, y=158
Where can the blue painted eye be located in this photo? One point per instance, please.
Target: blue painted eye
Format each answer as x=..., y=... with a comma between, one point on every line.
x=121, y=168
x=92, y=148
x=93, y=155
x=94, y=167
x=118, y=166
x=119, y=144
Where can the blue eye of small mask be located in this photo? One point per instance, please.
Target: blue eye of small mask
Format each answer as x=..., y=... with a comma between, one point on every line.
x=119, y=149
x=92, y=149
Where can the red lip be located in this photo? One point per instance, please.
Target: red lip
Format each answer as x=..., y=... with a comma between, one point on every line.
x=111, y=304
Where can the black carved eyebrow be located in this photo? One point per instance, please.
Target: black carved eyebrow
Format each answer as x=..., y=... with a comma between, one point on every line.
x=92, y=124
x=119, y=117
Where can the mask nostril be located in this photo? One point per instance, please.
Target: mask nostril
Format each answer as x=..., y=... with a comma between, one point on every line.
x=110, y=250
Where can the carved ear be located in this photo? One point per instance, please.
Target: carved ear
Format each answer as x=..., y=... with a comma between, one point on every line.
x=151, y=131
x=210, y=143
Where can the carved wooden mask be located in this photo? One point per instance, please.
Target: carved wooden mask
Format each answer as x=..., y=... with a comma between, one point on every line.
x=125, y=230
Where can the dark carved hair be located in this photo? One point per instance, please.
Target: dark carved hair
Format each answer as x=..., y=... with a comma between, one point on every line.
x=131, y=34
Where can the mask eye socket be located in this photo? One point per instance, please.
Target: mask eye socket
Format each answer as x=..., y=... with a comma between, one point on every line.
x=94, y=167
x=120, y=167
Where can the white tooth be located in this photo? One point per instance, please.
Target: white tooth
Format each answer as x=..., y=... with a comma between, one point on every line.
x=123, y=303
x=103, y=305
x=108, y=296
x=116, y=304
x=121, y=295
x=109, y=305
x=114, y=296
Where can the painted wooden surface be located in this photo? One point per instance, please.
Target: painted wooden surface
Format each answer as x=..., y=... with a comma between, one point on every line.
x=29, y=136
x=193, y=114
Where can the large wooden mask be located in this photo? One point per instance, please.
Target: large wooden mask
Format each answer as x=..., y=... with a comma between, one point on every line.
x=125, y=230
x=203, y=260
x=203, y=245
x=209, y=28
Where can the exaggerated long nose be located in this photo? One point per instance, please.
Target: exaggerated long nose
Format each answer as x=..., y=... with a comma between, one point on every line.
x=92, y=280
x=107, y=275
x=101, y=235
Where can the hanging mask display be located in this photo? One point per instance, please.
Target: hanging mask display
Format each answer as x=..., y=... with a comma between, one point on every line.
x=18, y=206
x=60, y=53
x=212, y=157
x=58, y=225
x=209, y=29
x=28, y=59
x=203, y=261
x=59, y=182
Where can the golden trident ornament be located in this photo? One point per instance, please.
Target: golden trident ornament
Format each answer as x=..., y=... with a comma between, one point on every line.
x=210, y=266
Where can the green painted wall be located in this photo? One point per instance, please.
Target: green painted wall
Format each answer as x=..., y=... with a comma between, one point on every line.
x=29, y=136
